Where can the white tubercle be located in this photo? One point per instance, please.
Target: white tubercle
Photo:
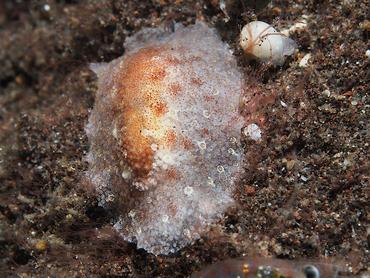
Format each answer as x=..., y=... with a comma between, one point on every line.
x=261, y=41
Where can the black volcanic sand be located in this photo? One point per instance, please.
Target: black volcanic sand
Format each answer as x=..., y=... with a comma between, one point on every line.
x=304, y=191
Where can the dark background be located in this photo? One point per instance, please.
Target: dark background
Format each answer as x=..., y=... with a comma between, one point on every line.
x=304, y=192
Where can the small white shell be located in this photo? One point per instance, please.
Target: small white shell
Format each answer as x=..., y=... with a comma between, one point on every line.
x=260, y=40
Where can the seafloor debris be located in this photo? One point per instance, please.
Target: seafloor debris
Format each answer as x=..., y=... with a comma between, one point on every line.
x=253, y=131
x=164, y=135
x=261, y=41
x=269, y=268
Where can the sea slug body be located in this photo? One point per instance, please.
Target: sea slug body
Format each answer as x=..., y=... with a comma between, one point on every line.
x=164, y=136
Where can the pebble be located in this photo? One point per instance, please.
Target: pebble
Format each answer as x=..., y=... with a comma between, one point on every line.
x=253, y=132
x=41, y=245
x=326, y=93
x=304, y=61
x=290, y=164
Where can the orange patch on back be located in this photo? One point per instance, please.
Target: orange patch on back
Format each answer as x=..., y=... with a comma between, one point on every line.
x=175, y=88
x=140, y=89
x=173, y=61
x=188, y=145
x=172, y=174
x=171, y=138
x=209, y=98
x=160, y=108
x=158, y=74
x=197, y=81
x=205, y=131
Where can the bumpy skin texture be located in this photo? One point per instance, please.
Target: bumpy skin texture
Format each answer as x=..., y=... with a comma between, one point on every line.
x=164, y=135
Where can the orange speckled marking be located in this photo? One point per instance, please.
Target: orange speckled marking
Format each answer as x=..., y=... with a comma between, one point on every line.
x=172, y=174
x=193, y=59
x=197, y=81
x=205, y=131
x=159, y=108
x=209, y=98
x=175, y=89
x=188, y=145
x=158, y=74
x=140, y=85
x=173, y=61
x=171, y=138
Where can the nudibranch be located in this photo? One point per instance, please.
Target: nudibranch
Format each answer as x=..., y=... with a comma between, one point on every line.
x=164, y=135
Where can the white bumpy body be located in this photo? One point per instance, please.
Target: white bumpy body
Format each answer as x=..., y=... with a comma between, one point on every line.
x=195, y=158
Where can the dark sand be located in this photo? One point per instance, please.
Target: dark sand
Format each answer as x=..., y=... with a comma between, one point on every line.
x=304, y=192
